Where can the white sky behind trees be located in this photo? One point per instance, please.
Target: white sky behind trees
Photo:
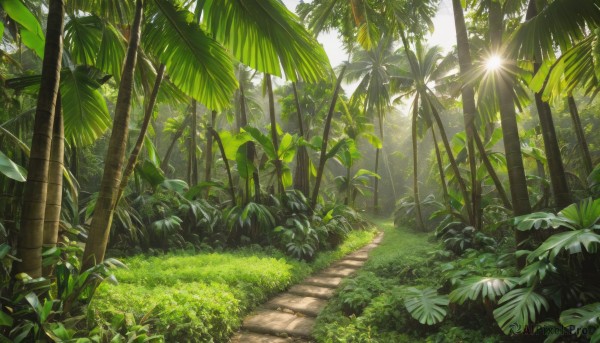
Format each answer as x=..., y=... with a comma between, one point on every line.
x=444, y=34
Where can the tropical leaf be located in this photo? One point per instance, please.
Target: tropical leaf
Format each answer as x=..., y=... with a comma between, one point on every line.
x=537, y=271
x=478, y=287
x=263, y=140
x=111, y=54
x=426, y=306
x=266, y=36
x=196, y=63
x=116, y=11
x=518, y=308
x=571, y=241
x=245, y=166
x=82, y=38
x=365, y=172
x=537, y=220
x=85, y=112
x=12, y=170
x=31, y=30
x=587, y=316
x=584, y=214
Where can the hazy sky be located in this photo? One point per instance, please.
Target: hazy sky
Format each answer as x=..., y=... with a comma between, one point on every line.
x=444, y=34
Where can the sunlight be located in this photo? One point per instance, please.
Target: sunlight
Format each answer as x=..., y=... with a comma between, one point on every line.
x=493, y=62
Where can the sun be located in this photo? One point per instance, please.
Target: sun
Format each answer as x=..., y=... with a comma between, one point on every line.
x=493, y=62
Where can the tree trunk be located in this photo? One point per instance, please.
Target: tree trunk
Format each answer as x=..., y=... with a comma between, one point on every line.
x=492, y=172
x=165, y=162
x=377, y=155
x=510, y=131
x=95, y=247
x=250, y=147
x=274, y=139
x=323, y=157
x=29, y=246
x=446, y=195
x=143, y=129
x=227, y=169
x=417, y=199
x=301, y=176
x=193, y=144
x=469, y=107
x=558, y=178
x=55, y=180
x=581, y=141
x=209, y=150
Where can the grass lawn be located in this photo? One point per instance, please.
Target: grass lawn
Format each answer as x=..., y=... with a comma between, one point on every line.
x=204, y=297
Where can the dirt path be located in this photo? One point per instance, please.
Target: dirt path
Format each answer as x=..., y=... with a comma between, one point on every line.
x=290, y=316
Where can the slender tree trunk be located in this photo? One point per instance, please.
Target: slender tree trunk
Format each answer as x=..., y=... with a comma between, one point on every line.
x=469, y=108
x=250, y=147
x=510, y=131
x=453, y=164
x=74, y=161
x=143, y=129
x=377, y=155
x=558, y=178
x=274, y=139
x=165, y=162
x=209, y=150
x=492, y=172
x=227, y=169
x=417, y=198
x=445, y=194
x=581, y=141
x=323, y=157
x=301, y=176
x=193, y=144
x=95, y=247
x=29, y=246
x=55, y=181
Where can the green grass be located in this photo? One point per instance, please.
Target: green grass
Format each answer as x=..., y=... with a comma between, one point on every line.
x=203, y=297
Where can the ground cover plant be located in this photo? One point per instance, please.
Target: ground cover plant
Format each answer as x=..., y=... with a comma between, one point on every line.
x=203, y=297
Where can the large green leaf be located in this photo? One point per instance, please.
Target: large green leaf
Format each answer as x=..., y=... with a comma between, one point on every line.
x=587, y=316
x=426, y=306
x=570, y=240
x=518, y=308
x=82, y=38
x=536, y=220
x=12, y=170
x=31, y=30
x=112, y=52
x=583, y=214
x=245, y=166
x=264, y=141
x=266, y=36
x=85, y=112
x=196, y=63
x=478, y=287
x=116, y=11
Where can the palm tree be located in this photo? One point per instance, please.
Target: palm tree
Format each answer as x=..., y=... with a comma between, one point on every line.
x=374, y=69
x=29, y=248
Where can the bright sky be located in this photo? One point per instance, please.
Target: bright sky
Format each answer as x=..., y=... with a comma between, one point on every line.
x=444, y=34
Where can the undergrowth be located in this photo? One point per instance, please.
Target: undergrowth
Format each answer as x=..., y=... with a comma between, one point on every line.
x=203, y=298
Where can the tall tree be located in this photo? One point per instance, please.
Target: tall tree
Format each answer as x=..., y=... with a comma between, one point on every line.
x=101, y=221
x=29, y=248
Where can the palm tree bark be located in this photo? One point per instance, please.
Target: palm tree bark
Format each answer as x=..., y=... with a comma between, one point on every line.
x=165, y=162
x=143, y=129
x=377, y=155
x=581, y=140
x=323, y=157
x=29, y=246
x=492, y=172
x=419, y=215
x=250, y=146
x=55, y=180
x=227, y=169
x=469, y=108
x=277, y=162
x=209, y=150
x=445, y=194
x=193, y=144
x=95, y=247
x=558, y=179
x=510, y=130
x=301, y=176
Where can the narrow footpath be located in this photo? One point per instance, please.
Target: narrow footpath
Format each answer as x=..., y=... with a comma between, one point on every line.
x=290, y=316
